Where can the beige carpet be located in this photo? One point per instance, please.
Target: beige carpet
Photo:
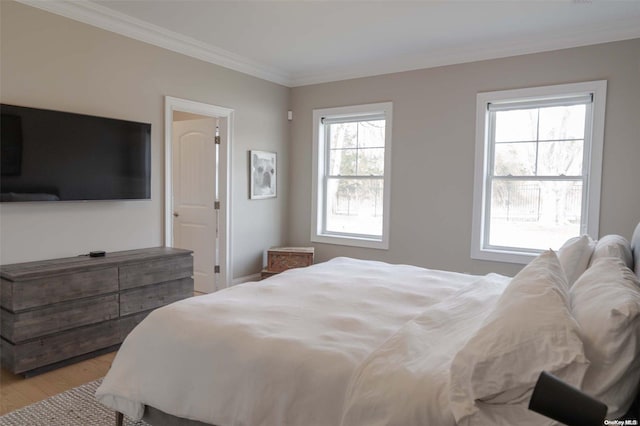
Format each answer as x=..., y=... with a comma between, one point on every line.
x=75, y=407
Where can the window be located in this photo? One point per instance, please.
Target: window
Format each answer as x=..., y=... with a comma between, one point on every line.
x=538, y=166
x=351, y=168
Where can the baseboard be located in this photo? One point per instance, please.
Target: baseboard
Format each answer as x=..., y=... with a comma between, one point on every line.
x=246, y=279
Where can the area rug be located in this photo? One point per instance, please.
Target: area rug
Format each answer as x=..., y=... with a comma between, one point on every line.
x=77, y=406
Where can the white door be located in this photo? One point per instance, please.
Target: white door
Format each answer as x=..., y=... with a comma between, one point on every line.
x=194, y=195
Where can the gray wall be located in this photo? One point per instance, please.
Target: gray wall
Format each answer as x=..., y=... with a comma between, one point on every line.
x=56, y=63
x=434, y=142
x=52, y=62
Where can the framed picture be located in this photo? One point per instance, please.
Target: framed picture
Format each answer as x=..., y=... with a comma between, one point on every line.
x=263, y=174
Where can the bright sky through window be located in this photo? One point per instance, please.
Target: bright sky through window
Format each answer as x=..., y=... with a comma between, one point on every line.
x=536, y=191
x=355, y=177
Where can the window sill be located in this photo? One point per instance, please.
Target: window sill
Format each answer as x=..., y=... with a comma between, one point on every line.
x=381, y=244
x=505, y=256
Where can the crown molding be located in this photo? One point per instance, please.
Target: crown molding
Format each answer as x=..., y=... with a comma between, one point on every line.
x=102, y=17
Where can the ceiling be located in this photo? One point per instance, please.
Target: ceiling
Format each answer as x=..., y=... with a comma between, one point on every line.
x=299, y=42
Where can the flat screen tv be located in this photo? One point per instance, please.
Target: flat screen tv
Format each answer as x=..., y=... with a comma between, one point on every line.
x=60, y=156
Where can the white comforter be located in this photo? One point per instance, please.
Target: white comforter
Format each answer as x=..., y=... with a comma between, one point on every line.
x=346, y=342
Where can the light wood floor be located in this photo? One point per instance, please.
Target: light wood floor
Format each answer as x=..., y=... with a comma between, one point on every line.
x=16, y=391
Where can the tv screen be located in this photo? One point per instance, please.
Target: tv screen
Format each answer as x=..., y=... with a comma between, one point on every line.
x=59, y=156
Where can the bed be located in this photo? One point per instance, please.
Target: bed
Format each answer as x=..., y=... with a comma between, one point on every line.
x=356, y=342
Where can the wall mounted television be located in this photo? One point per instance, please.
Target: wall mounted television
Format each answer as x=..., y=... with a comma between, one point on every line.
x=60, y=156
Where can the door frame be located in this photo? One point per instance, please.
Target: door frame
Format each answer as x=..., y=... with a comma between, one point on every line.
x=224, y=179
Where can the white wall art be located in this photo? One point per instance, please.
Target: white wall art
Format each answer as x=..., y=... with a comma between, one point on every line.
x=263, y=174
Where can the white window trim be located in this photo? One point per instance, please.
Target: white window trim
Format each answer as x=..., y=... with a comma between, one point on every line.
x=593, y=157
x=317, y=190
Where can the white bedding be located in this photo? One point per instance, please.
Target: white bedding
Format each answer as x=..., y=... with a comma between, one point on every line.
x=308, y=346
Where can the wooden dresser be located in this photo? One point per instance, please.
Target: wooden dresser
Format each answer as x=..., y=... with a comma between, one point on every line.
x=57, y=311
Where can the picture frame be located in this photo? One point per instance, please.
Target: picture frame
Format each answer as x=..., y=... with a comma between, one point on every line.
x=263, y=175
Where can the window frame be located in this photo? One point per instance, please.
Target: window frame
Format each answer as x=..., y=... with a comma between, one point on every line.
x=592, y=161
x=319, y=176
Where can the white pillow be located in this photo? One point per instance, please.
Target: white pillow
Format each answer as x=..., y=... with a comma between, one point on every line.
x=529, y=331
x=606, y=303
x=613, y=246
x=574, y=256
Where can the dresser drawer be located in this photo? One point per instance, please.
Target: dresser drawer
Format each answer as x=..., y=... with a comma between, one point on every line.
x=20, y=295
x=154, y=296
x=155, y=271
x=17, y=327
x=128, y=323
x=30, y=355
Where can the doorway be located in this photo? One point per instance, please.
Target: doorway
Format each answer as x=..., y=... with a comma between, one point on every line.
x=197, y=205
